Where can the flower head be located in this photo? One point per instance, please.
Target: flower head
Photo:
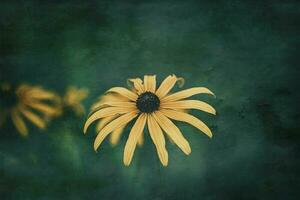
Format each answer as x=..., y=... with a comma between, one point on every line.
x=73, y=99
x=152, y=106
x=30, y=102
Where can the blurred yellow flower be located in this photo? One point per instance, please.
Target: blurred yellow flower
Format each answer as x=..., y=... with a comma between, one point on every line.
x=30, y=102
x=152, y=106
x=73, y=99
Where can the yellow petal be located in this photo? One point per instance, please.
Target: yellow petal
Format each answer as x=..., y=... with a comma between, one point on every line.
x=138, y=84
x=171, y=129
x=186, y=93
x=117, y=123
x=166, y=86
x=34, y=118
x=150, y=83
x=134, y=134
x=105, y=121
x=189, y=104
x=109, y=98
x=124, y=92
x=117, y=104
x=43, y=108
x=184, y=117
x=158, y=140
x=105, y=112
x=19, y=122
x=115, y=135
x=141, y=140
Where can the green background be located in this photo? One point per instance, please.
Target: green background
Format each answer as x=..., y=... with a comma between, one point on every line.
x=246, y=52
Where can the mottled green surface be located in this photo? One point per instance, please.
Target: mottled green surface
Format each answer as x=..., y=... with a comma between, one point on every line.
x=247, y=52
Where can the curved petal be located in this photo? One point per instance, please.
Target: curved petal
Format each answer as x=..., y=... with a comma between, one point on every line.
x=43, y=108
x=137, y=84
x=105, y=112
x=141, y=140
x=158, y=140
x=172, y=130
x=189, y=104
x=19, y=122
x=115, y=135
x=134, y=134
x=100, y=125
x=117, y=123
x=186, y=93
x=124, y=92
x=184, y=117
x=166, y=86
x=34, y=118
x=150, y=83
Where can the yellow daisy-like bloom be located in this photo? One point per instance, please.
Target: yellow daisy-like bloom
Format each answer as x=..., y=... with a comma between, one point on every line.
x=152, y=106
x=73, y=99
x=30, y=102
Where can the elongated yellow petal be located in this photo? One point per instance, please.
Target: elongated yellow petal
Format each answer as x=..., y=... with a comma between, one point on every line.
x=43, y=108
x=117, y=123
x=19, y=122
x=184, y=117
x=189, y=104
x=150, y=83
x=141, y=140
x=138, y=85
x=117, y=104
x=34, y=118
x=109, y=98
x=166, y=86
x=115, y=135
x=105, y=121
x=105, y=112
x=134, y=134
x=158, y=140
x=171, y=129
x=186, y=93
x=124, y=92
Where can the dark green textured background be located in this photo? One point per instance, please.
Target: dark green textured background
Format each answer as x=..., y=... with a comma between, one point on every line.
x=247, y=52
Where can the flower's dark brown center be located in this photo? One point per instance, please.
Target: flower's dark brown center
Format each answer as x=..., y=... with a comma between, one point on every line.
x=147, y=102
x=8, y=97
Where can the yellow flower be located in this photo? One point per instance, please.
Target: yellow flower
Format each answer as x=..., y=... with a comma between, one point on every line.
x=73, y=98
x=30, y=102
x=152, y=106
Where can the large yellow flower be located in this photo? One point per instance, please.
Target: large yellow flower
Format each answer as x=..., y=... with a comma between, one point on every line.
x=30, y=102
x=152, y=106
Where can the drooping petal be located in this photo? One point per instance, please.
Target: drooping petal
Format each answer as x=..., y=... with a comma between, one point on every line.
x=186, y=93
x=150, y=83
x=105, y=112
x=158, y=140
x=105, y=121
x=141, y=140
x=115, y=135
x=172, y=130
x=189, y=104
x=118, y=104
x=124, y=92
x=166, y=86
x=34, y=118
x=134, y=134
x=113, y=125
x=184, y=117
x=137, y=84
x=44, y=108
x=19, y=122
